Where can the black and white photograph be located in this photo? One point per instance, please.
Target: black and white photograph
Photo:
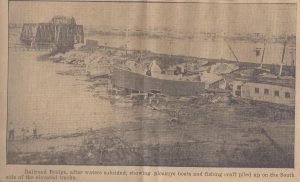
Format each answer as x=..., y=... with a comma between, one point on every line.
x=149, y=83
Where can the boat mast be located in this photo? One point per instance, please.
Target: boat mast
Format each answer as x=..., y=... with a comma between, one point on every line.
x=263, y=55
x=237, y=60
x=126, y=41
x=170, y=45
x=282, y=57
x=292, y=52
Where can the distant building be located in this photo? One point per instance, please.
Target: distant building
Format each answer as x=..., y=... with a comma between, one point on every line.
x=61, y=31
x=266, y=92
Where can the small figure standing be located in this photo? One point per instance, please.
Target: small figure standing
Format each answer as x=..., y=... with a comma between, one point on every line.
x=11, y=132
x=148, y=71
x=34, y=131
x=23, y=133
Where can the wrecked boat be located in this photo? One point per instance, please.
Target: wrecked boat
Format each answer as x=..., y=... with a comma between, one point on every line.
x=127, y=79
x=97, y=70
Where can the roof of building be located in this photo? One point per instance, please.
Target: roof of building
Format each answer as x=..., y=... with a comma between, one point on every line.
x=288, y=82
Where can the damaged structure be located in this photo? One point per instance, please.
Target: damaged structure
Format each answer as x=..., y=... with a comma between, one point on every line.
x=61, y=32
x=265, y=92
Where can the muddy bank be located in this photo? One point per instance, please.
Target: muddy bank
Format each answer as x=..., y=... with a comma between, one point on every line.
x=123, y=146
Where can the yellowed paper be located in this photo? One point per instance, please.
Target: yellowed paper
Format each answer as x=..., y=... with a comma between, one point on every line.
x=149, y=91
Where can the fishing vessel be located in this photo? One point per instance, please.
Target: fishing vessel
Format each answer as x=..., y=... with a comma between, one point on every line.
x=96, y=70
x=168, y=85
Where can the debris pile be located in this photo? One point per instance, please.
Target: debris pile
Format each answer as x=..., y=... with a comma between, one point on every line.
x=223, y=68
x=108, y=150
x=70, y=57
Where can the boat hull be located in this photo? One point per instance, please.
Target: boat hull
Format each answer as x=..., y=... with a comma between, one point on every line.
x=98, y=70
x=136, y=81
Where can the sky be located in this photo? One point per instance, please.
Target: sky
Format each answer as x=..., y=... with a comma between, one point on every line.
x=270, y=19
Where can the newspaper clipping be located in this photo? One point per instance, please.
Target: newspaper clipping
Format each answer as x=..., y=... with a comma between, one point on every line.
x=148, y=90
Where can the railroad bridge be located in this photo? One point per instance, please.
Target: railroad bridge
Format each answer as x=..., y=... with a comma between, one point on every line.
x=61, y=32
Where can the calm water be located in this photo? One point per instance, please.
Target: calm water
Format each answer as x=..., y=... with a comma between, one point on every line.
x=58, y=104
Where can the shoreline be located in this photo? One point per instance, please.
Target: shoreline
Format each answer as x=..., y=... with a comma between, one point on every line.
x=180, y=136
